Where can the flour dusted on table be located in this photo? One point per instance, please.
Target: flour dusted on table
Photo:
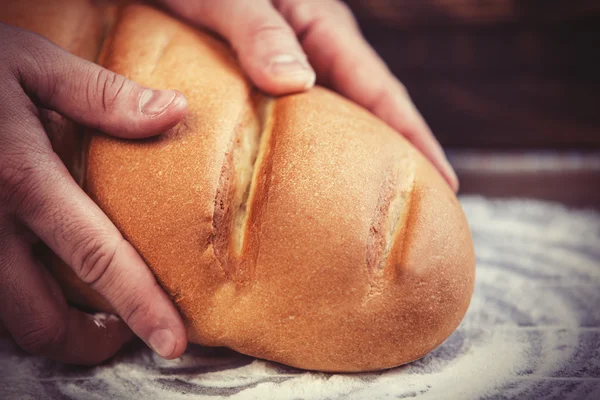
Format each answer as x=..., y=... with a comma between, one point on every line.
x=532, y=331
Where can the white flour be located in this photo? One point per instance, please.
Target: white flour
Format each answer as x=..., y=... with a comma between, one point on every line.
x=531, y=324
x=100, y=318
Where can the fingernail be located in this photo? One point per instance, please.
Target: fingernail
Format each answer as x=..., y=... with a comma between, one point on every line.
x=293, y=69
x=162, y=341
x=153, y=102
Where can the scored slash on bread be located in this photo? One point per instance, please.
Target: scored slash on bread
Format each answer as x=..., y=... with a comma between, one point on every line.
x=243, y=174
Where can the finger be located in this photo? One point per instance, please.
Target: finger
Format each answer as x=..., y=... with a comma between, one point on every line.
x=346, y=62
x=35, y=313
x=40, y=191
x=94, y=96
x=266, y=46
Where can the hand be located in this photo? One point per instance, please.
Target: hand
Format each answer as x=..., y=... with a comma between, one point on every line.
x=277, y=42
x=39, y=199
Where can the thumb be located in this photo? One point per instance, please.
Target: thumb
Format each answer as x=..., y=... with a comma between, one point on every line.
x=97, y=97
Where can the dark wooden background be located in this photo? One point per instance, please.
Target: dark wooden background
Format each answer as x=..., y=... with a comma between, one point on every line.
x=499, y=80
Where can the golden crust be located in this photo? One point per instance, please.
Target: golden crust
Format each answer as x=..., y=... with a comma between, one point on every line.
x=351, y=253
x=356, y=255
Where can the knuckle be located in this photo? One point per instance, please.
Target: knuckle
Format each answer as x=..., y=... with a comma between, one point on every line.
x=45, y=65
x=320, y=11
x=134, y=311
x=10, y=40
x=329, y=21
x=263, y=30
x=43, y=335
x=106, y=88
x=33, y=61
x=304, y=11
x=93, y=258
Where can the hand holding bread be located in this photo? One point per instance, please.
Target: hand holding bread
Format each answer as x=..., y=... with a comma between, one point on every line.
x=39, y=199
x=300, y=229
x=281, y=44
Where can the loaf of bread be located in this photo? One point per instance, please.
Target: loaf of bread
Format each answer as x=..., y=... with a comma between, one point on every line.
x=299, y=229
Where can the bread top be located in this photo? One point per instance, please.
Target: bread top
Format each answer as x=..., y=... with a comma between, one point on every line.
x=300, y=229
